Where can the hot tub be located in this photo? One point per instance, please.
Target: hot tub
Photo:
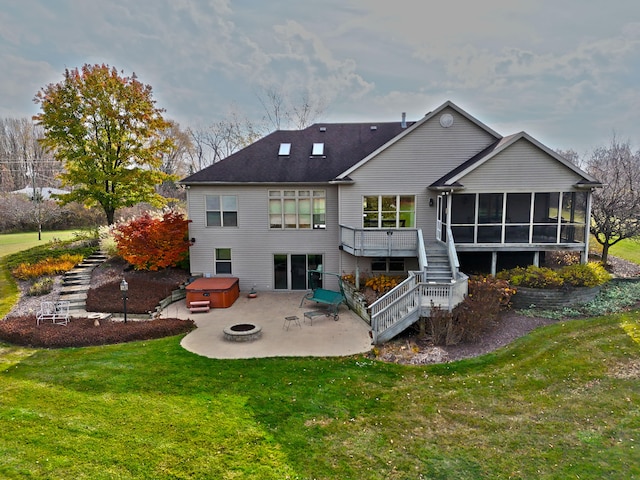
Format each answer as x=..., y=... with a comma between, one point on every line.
x=221, y=292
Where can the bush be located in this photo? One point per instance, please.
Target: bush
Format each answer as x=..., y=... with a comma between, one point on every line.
x=532, y=277
x=382, y=284
x=469, y=320
x=107, y=241
x=52, y=250
x=41, y=287
x=151, y=242
x=585, y=275
x=577, y=275
x=47, y=266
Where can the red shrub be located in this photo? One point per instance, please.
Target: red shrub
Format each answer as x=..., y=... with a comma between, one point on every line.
x=151, y=243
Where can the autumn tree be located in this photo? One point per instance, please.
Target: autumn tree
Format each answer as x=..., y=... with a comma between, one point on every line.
x=615, y=212
x=151, y=242
x=107, y=131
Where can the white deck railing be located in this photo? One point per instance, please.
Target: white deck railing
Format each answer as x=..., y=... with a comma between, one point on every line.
x=411, y=300
x=379, y=241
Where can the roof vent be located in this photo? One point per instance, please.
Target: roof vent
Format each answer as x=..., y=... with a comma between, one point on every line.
x=374, y=128
x=285, y=149
x=323, y=129
x=404, y=120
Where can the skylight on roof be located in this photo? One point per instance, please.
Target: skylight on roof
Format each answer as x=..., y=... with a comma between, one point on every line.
x=285, y=149
x=318, y=149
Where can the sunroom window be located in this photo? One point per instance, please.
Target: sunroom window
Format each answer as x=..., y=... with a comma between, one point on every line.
x=542, y=217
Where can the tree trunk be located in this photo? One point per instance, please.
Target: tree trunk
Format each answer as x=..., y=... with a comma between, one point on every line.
x=605, y=254
x=110, y=213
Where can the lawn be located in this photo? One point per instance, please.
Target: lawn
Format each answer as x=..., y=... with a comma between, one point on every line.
x=563, y=402
x=15, y=242
x=625, y=249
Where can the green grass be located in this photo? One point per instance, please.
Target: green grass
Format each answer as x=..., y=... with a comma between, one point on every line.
x=563, y=402
x=13, y=243
x=626, y=249
x=16, y=242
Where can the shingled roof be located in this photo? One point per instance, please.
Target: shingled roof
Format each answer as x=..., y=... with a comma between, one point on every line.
x=345, y=144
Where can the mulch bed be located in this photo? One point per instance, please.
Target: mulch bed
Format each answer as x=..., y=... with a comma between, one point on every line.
x=146, y=289
x=142, y=297
x=84, y=332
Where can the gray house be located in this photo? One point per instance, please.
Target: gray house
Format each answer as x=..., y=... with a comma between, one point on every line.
x=429, y=199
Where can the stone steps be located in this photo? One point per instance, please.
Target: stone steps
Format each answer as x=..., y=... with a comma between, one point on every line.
x=77, y=281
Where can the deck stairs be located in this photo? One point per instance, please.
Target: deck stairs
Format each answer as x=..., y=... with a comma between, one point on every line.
x=439, y=283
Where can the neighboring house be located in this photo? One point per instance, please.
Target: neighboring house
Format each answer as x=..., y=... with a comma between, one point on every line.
x=436, y=197
x=42, y=192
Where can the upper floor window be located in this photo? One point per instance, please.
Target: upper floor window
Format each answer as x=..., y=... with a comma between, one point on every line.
x=222, y=210
x=389, y=211
x=297, y=209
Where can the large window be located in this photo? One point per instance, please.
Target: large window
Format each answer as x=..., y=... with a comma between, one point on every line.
x=389, y=211
x=222, y=210
x=222, y=261
x=297, y=209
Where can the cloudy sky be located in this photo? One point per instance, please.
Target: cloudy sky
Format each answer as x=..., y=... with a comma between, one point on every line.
x=565, y=71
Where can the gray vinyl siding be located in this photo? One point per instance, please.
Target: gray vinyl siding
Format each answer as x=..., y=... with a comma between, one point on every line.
x=252, y=242
x=410, y=165
x=520, y=168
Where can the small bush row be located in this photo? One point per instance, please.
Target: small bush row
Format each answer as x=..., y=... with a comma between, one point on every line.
x=380, y=284
x=47, y=266
x=578, y=275
x=54, y=249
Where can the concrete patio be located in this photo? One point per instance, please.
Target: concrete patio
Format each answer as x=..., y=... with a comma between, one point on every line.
x=348, y=335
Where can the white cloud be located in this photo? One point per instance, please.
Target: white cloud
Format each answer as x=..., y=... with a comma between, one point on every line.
x=565, y=71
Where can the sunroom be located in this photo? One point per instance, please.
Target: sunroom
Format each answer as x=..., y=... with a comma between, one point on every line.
x=513, y=222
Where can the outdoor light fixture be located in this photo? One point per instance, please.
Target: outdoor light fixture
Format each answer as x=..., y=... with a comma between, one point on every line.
x=431, y=202
x=124, y=288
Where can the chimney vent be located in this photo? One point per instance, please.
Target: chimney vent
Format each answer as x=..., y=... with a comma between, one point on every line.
x=404, y=120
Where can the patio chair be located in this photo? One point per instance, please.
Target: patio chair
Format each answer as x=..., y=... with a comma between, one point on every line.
x=56, y=312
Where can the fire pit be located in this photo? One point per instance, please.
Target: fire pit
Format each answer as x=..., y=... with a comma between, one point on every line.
x=242, y=332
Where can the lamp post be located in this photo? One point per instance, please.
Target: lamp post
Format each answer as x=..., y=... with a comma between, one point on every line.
x=124, y=288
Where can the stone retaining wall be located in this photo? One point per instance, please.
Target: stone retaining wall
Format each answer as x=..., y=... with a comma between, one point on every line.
x=548, y=299
x=356, y=301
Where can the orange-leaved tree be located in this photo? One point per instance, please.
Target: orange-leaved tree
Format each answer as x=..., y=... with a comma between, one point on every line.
x=152, y=242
